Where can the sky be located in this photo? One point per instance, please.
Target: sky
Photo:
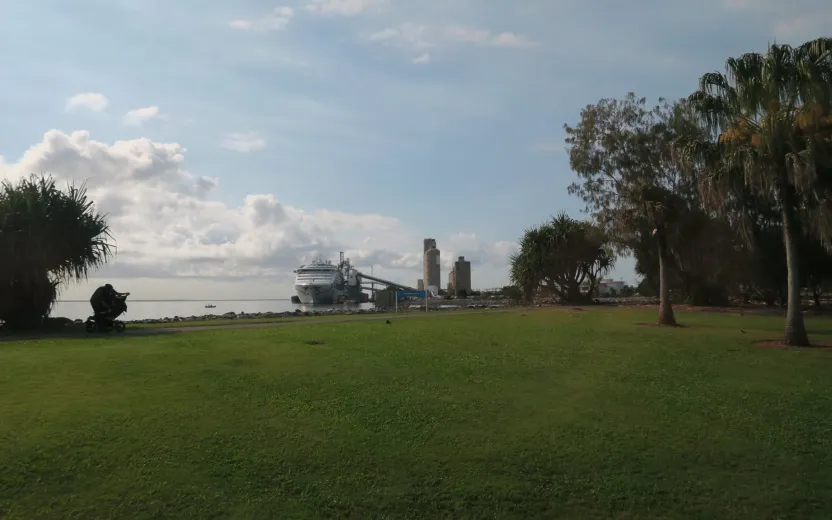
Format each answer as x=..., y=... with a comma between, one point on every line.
x=229, y=142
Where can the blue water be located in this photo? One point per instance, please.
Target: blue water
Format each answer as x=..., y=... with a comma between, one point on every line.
x=145, y=309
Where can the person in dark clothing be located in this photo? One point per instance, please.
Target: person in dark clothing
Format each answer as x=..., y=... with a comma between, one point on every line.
x=103, y=298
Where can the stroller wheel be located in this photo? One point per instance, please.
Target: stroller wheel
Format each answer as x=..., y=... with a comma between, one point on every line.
x=119, y=326
x=89, y=326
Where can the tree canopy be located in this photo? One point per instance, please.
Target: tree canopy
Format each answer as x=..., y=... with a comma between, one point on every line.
x=622, y=152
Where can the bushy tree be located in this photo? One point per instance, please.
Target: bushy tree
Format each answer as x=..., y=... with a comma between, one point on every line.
x=47, y=237
x=622, y=152
x=512, y=292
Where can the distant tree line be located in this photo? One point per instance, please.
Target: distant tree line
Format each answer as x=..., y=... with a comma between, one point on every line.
x=723, y=194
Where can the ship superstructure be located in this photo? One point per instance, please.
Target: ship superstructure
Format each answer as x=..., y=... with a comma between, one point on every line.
x=322, y=283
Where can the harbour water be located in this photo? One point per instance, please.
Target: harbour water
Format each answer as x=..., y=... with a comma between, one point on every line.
x=154, y=309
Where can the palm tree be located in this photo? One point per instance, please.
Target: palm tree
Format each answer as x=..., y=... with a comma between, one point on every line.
x=768, y=116
x=48, y=237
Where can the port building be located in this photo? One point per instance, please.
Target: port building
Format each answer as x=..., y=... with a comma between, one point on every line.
x=459, y=278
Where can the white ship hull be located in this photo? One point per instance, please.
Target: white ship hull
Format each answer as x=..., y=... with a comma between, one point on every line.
x=319, y=283
x=318, y=294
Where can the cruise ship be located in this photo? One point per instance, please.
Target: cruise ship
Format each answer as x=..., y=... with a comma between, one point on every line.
x=320, y=282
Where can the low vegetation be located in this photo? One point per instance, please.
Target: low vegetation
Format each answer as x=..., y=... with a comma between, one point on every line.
x=530, y=414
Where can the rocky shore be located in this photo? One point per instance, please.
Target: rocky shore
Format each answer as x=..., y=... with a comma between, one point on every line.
x=407, y=307
x=259, y=315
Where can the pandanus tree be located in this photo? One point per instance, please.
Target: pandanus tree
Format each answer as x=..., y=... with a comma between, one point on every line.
x=770, y=129
x=47, y=237
x=523, y=272
x=561, y=255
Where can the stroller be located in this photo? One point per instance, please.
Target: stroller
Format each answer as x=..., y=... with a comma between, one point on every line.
x=106, y=321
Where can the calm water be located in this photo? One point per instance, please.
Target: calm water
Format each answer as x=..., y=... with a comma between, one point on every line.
x=142, y=310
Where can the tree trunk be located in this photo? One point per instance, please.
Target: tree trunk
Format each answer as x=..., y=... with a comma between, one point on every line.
x=573, y=293
x=528, y=294
x=666, y=316
x=795, y=334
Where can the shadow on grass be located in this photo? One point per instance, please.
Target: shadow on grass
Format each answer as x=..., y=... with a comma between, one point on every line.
x=824, y=345
x=823, y=332
x=663, y=326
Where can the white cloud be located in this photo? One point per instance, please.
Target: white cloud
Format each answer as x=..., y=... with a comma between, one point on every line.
x=241, y=25
x=476, y=251
x=243, y=142
x=467, y=34
x=423, y=59
x=278, y=19
x=509, y=39
x=93, y=101
x=413, y=36
x=476, y=36
x=167, y=225
x=140, y=115
x=407, y=35
x=341, y=7
x=384, y=35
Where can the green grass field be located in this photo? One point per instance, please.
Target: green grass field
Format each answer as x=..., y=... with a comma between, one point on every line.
x=544, y=414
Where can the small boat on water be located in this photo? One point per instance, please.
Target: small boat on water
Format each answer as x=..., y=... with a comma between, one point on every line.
x=210, y=306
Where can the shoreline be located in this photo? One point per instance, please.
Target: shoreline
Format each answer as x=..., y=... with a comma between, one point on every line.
x=407, y=307
x=414, y=307
x=297, y=313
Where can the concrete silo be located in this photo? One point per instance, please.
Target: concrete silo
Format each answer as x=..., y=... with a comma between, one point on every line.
x=431, y=273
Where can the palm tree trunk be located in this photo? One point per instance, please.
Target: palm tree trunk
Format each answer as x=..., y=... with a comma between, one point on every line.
x=795, y=334
x=666, y=316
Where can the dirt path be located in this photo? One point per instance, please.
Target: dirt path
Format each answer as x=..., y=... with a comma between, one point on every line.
x=150, y=331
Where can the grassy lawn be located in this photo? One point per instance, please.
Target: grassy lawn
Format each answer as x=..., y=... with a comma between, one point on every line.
x=545, y=414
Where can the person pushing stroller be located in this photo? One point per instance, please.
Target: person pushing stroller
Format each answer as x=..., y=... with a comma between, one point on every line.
x=104, y=301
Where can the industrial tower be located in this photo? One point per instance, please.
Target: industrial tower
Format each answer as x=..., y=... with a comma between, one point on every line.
x=431, y=273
